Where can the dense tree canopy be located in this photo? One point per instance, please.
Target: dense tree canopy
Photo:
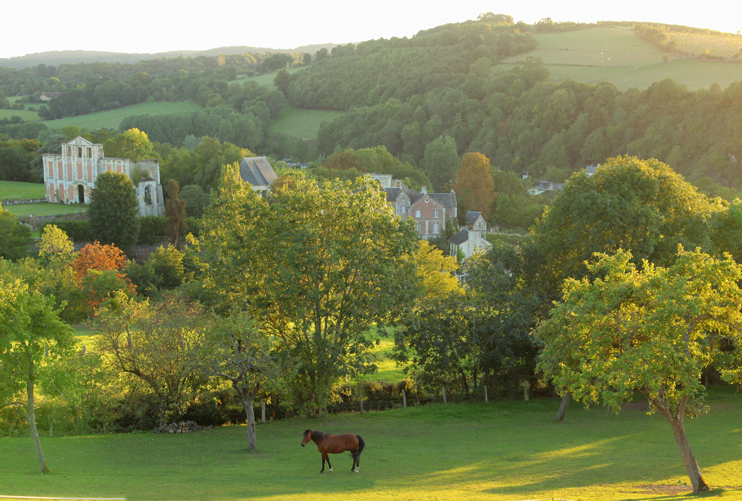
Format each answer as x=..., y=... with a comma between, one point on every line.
x=114, y=211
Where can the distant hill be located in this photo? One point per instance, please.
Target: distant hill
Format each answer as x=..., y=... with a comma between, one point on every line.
x=56, y=58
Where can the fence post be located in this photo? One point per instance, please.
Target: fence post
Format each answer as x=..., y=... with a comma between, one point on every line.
x=262, y=410
x=443, y=388
x=485, y=395
x=404, y=400
x=526, y=385
x=360, y=396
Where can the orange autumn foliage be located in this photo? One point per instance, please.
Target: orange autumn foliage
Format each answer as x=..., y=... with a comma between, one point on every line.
x=99, y=257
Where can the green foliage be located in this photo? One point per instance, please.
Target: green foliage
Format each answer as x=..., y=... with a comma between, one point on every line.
x=114, y=210
x=15, y=238
x=78, y=231
x=196, y=200
x=442, y=163
x=652, y=331
x=152, y=229
x=297, y=271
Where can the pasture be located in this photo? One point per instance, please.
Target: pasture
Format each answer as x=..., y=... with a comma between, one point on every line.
x=619, y=56
x=11, y=189
x=302, y=123
x=511, y=450
x=43, y=209
x=111, y=119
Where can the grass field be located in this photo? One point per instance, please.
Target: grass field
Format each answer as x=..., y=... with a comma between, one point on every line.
x=112, y=118
x=25, y=115
x=301, y=123
x=43, y=209
x=619, y=56
x=510, y=450
x=10, y=189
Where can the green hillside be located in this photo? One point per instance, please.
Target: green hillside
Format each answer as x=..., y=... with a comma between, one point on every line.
x=112, y=118
x=619, y=56
x=302, y=123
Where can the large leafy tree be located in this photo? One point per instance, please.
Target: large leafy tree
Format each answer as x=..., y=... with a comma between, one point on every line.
x=133, y=144
x=114, y=211
x=325, y=263
x=651, y=331
x=175, y=211
x=32, y=336
x=638, y=205
x=442, y=162
x=157, y=344
x=474, y=187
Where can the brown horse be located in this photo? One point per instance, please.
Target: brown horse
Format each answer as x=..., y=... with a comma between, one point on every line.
x=335, y=444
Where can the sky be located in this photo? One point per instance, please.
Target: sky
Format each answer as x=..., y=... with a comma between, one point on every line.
x=150, y=26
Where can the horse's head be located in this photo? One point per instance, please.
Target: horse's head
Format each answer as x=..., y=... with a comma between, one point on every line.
x=307, y=437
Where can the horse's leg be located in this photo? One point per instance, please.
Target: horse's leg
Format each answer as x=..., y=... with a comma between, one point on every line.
x=354, y=454
x=358, y=460
x=324, y=456
x=328, y=462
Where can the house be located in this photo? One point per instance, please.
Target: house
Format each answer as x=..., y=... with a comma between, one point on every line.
x=48, y=96
x=430, y=211
x=258, y=172
x=541, y=187
x=69, y=177
x=399, y=200
x=590, y=170
x=472, y=237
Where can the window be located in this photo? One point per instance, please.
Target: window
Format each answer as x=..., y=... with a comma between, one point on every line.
x=417, y=213
x=435, y=228
x=79, y=152
x=403, y=209
x=419, y=227
x=90, y=152
x=435, y=214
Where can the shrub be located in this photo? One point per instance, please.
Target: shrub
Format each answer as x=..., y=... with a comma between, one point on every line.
x=78, y=231
x=152, y=229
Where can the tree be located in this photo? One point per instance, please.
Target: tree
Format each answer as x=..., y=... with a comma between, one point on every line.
x=236, y=350
x=639, y=205
x=652, y=331
x=436, y=273
x=474, y=186
x=133, y=144
x=15, y=238
x=98, y=272
x=282, y=81
x=196, y=200
x=114, y=211
x=441, y=162
x=32, y=336
x=175, y=210
x=159, y=344
x=326, y=262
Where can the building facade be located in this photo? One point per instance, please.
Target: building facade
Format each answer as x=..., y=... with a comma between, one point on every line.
x=69, y=177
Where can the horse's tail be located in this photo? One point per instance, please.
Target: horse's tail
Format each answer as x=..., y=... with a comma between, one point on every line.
x=361, y=445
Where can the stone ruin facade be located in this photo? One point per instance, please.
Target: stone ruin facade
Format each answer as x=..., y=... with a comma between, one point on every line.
x=69, y=177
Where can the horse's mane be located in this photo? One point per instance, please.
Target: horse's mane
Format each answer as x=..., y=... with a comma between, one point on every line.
x=317, y=435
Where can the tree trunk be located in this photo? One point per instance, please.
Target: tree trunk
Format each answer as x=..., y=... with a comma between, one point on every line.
x=32, y=426
x=689, y=459
x=250, y=414
x=563, y=406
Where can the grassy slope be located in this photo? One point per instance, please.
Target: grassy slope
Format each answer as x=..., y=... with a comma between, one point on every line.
x=44, y=209
x=301, y=122
x=9, y=189
x=619, y=56
x=500, y=451
x=112, y=118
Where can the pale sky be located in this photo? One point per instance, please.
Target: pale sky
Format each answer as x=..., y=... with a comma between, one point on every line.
x=150, y=26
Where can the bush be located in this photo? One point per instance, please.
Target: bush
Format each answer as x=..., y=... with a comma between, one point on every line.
x=78, y=231
x=152, y=229
x=194, y=226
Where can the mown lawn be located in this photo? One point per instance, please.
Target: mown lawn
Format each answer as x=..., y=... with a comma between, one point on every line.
x=112, y=118
x=43, y=209
x=302, y=123
x=510, y=450
x=11, y=189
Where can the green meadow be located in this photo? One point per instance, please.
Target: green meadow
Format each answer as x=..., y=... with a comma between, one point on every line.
x=43, y=209
x=509, y=450
x=619, y=56
x=112, y=118
x=303, y=123
x=13, y=189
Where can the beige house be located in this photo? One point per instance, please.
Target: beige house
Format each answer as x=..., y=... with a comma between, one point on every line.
x=472, y=238
x=69, y=177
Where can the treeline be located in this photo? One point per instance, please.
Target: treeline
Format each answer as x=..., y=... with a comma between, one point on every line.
x=525, y=123
x=43, y=78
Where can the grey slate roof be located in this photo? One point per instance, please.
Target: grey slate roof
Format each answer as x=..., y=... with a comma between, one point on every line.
x=392, y=194
x=257, y=171
x=472, y=216
x=445, y=199
x=460, y=237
